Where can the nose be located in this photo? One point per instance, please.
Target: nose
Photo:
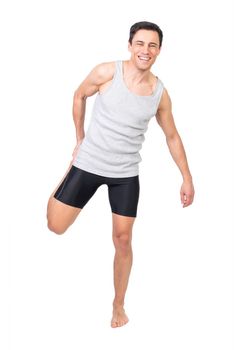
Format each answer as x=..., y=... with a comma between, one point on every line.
x=145, y=50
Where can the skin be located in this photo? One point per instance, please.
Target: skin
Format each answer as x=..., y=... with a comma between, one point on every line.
x=139, y=79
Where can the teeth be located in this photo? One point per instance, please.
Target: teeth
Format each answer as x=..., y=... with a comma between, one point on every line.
x=144, y=58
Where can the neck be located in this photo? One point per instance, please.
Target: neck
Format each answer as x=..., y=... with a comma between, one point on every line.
x=133, y=73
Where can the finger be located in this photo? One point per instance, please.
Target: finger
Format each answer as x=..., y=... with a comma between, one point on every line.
x=182, y=197
x=189, y=200
x=76, y=149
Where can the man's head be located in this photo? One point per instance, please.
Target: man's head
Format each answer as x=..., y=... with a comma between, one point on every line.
x=144, y=43
x=147, y=26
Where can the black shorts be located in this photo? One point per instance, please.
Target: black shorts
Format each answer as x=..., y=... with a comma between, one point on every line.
x=79, y=186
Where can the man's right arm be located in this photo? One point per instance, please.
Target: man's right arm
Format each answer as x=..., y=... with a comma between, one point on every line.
x=99, y=75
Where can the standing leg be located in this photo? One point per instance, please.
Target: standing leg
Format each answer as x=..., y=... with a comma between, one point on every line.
x=122, y=237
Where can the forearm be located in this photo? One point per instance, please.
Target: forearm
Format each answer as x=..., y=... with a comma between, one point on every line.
x=78, y=111
x=178, y=154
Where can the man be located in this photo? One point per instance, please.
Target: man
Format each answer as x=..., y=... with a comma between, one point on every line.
x=128, y=96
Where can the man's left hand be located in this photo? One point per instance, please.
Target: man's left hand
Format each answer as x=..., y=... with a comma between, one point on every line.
x=187, y=193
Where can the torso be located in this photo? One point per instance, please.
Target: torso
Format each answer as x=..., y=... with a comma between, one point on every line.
x=119, y=121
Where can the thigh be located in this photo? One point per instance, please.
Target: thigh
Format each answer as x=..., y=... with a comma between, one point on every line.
x=124, y=195
x=77, y=187
x=59, y=215
x=72, y=194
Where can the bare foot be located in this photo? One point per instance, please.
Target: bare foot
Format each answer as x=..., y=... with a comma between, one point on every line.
x=119, y=318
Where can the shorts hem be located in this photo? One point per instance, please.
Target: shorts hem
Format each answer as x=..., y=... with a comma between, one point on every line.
x=70, y=204
x=122, y=214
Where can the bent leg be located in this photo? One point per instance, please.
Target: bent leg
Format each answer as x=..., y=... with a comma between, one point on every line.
x=60, y=216
x=70, y=196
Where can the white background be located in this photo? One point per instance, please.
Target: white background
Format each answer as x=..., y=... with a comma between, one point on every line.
x=58, y=290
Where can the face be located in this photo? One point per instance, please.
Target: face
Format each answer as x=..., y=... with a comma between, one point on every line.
x=144, y=49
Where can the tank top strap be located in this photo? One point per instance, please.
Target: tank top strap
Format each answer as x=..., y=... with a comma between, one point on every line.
x=159, y=88
x=118, y=70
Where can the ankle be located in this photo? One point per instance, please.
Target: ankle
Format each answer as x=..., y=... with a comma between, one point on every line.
x=118, y=304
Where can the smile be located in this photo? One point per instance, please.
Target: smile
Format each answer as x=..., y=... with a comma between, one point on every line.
x=144, y=58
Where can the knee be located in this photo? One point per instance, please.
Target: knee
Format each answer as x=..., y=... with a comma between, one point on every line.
x=122, y=241
x=54, y=227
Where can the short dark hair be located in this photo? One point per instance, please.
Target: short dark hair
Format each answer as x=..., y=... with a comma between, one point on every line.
x=148, y=26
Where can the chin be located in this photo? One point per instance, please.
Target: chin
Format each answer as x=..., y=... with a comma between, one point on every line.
x=143, y=65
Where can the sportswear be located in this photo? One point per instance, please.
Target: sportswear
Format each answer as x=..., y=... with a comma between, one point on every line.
x=79, y=186
x=116, y=131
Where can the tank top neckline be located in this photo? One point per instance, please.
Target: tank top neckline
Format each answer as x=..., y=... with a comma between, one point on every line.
x=131, y=92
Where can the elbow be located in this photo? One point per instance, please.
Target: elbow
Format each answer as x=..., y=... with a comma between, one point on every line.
x=78, y=95
x=173, y=136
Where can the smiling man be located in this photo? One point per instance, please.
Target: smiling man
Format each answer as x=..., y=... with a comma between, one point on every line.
x=128, y=96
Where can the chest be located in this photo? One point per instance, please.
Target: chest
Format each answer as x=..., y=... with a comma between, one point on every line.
x=124, y=109
x=144, y=89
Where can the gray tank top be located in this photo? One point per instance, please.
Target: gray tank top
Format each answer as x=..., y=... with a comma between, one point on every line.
x=116, y=130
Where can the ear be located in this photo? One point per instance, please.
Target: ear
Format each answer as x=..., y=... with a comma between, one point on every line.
x=159, y=50
x=129, y=46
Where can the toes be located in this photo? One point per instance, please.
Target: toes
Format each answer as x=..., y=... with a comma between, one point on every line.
x=114, y=324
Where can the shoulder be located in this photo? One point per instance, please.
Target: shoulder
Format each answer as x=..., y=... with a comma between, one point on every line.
x=99, y=75
x=104, y=71
x=165, y=101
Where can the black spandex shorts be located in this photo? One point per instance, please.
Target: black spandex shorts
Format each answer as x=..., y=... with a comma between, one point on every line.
x=79, y=186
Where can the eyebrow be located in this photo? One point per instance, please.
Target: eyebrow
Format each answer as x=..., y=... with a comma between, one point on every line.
x=141, y=41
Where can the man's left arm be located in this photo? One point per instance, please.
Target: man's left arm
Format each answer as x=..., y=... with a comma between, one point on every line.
x=166, y=121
